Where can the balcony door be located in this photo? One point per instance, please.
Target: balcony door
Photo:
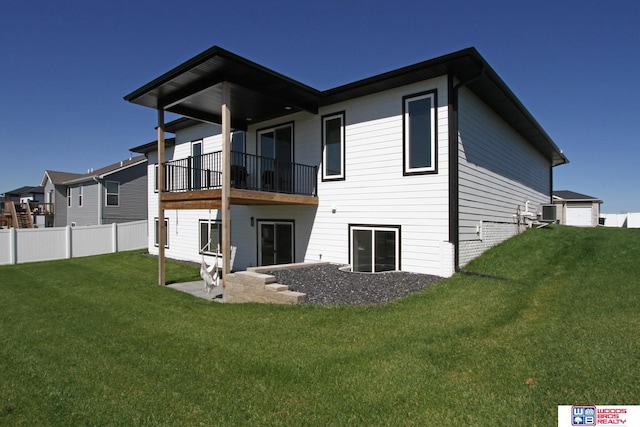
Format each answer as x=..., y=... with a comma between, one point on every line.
x=275, y=242
x=276, y=150
x=196, y=153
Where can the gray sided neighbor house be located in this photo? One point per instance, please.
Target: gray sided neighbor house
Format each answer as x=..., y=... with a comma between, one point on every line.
x=113, y=194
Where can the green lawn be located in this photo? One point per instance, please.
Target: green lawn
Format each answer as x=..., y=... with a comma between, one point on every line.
x=94, y=341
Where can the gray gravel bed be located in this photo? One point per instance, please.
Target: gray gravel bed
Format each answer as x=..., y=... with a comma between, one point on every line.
x=325, y=284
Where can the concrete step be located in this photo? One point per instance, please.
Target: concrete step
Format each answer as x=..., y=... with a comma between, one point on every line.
x=276, y=287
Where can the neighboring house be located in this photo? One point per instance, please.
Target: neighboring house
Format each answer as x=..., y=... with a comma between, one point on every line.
x=25, y=194
x=420, y=169
x=34, y=196
x=55, y=193
x=112, y=194
x=576, y=209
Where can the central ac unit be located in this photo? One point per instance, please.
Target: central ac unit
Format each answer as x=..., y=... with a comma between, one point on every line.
x=548, y=213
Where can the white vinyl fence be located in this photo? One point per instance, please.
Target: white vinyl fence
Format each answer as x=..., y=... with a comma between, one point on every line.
x=624, y=220
x=44, y=244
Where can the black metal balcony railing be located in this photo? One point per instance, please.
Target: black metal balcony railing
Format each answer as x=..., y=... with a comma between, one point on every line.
x=248, y=171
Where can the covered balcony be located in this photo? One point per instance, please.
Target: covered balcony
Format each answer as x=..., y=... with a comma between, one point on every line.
x=196, y=181
x=221, y=87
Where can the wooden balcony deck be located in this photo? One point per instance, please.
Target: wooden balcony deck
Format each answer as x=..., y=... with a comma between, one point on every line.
x=196, y=182
x=212, y=199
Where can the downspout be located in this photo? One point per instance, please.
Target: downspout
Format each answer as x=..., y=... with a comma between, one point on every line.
x=95, y=178
x=454, y=194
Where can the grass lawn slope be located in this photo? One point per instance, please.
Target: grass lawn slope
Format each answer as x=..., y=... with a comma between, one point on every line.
x=94, y=341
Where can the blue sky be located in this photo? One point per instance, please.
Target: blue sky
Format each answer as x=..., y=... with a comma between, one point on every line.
x=66, y=65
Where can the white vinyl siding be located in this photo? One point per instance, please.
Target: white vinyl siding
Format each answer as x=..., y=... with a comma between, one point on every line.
x=375, y=191
x=499, y=171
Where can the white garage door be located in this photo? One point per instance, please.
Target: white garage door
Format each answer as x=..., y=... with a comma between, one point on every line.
x=580, y=216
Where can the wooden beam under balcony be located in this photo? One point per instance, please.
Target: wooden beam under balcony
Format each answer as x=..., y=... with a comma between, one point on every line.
x=249, y=197
x=212, y=199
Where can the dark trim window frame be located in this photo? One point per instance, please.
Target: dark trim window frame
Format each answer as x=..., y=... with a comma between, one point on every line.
x=68, y=197
x=166, y=230
x=419, y=133
x=204, y=228
x=238, y=148
x=273, y=129
x=276, y=247
x=374, y=248
x=275, y=145
x=80, y=195
x=112, y=193
x=333, y=147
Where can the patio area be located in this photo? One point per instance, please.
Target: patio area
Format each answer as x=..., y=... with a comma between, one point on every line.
x=328, y=284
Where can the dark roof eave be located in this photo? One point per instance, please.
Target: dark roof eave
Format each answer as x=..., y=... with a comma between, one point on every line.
x=463, y=64
x=208, y=54
x=152, y=146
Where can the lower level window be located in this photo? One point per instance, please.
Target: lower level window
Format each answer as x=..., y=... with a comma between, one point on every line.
x=166, y=232
x=210, y=237
x=374, y=248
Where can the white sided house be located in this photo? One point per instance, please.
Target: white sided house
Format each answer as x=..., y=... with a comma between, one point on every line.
x=420, y=169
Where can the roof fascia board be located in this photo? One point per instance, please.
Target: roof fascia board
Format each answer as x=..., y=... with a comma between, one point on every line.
x=331, y=96
x=173, y=73
x=203, y=57
x=45, y=178
x=492, y=75
x=121, y=168
x=373, y=80
x=93, y=177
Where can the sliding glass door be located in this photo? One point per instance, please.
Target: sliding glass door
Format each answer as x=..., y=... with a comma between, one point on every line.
x=276, y=149
x=275, y=242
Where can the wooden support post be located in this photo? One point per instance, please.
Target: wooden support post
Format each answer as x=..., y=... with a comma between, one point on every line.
x=161, y=189
x=226, y=182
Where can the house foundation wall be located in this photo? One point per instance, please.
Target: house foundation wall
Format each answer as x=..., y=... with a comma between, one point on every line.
x=491, y=234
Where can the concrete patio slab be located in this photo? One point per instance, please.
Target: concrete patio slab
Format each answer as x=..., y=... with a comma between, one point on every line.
x=197, y=290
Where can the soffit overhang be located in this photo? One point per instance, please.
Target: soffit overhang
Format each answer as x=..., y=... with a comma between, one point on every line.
x=194, y=90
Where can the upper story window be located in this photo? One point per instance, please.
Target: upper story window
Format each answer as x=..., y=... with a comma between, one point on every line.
x=80, y=196
x=112, y=192
x=419, y=133
x=333, y=139
x=68, y=197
